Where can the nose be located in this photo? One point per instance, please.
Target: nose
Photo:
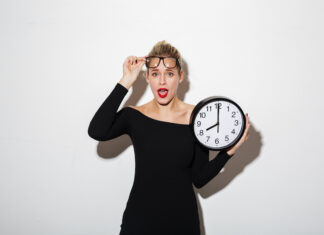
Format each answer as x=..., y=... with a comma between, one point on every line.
x=162, y=79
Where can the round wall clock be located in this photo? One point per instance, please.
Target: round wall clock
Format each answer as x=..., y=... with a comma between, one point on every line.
x=217, y=122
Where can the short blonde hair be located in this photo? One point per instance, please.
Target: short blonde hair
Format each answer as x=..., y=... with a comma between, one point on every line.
x=162, y=48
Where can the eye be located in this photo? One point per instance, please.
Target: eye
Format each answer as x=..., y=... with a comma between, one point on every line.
x=153, y=74
x=170, y=73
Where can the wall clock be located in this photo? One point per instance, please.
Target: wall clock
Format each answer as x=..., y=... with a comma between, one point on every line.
x=217, y=122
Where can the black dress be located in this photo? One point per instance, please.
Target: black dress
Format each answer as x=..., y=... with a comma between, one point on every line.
x=168, y=160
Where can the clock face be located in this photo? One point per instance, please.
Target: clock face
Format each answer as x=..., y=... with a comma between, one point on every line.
x=218, y=123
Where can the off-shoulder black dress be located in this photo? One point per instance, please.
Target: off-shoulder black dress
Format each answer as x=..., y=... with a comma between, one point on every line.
x=168, y=162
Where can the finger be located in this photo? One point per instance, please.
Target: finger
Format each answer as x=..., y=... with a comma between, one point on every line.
x=142, y=58
x=140, y=62
x=246, y=132
x=247, y=122
x=247, y=128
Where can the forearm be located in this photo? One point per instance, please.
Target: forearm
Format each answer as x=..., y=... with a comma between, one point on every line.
x=204, y=170
x=126, y=82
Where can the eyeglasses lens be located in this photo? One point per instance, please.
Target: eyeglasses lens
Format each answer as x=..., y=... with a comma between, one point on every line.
x=153, y=62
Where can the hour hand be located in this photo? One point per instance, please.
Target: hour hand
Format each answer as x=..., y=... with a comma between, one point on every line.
x=212, y=126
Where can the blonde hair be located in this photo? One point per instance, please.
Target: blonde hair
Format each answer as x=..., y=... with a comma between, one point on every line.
x=162, y=48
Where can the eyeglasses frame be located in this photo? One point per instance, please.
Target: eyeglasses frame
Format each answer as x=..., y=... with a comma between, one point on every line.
x=162, y=58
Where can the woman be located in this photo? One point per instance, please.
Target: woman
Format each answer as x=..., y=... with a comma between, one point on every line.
x=167, y=157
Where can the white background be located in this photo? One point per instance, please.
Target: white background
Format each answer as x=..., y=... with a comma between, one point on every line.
x=59, y=60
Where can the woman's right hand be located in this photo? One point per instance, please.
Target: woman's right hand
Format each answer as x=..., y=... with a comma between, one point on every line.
x=131, y=69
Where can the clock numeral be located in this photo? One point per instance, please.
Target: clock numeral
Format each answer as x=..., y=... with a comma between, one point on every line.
x=233, y=131
x=227, y=108
x=202, y=115
x=216, y=141
x=209, y=107
x=201, y=132
x=218, y=105
x=198, y=123
x=236, y=122
x=233, y=114
x=226, y=138
x=208, y=137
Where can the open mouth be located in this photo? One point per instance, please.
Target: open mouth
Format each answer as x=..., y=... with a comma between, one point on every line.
x=163, y=92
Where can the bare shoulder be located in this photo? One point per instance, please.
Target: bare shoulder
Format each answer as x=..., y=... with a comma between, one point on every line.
x=132, y=106
x=190, y=107
x=139, y=108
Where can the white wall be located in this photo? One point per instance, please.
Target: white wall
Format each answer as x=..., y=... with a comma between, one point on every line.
x=61, y=59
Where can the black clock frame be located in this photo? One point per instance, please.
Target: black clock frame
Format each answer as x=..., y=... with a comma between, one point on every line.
x=205, y=102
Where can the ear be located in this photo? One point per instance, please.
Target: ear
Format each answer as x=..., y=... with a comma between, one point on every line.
x=181, y=76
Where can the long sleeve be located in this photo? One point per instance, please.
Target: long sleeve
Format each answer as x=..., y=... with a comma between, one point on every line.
x=107, y=123
x=204, y=170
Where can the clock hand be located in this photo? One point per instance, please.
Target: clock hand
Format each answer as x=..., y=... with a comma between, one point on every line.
x=212, y=126
x=218, y=118
x=217, y=123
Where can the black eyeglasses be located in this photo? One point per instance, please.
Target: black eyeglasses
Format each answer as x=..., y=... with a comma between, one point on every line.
x=169, y=62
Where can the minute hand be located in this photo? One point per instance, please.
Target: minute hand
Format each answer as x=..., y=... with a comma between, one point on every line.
x=218, y=118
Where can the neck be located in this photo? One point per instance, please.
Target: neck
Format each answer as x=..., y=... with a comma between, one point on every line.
x=170, y=107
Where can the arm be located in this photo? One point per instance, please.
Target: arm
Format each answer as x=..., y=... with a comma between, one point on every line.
x=204, y=170
x=107, y=123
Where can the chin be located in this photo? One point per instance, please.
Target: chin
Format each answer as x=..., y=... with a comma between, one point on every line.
x=163, y=101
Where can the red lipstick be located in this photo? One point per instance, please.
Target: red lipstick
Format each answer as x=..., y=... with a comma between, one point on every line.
x=163, y=92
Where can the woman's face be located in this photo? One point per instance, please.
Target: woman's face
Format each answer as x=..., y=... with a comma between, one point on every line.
x=162, y=77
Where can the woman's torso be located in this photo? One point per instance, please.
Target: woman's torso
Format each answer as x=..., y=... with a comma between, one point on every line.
x=162, y=185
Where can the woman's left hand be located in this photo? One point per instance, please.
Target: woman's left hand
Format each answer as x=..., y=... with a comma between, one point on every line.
x=244, y=137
